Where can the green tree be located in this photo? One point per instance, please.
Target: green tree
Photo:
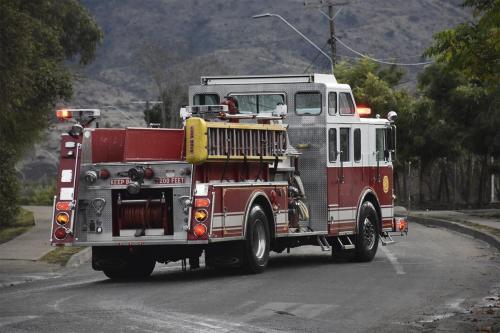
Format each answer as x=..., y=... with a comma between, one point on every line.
x=466, y=90
x=36, y=38
x=473, y=47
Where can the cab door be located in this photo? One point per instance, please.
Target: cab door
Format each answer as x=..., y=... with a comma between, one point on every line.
x=347, y=209
x=332, y=163
x=333, y=178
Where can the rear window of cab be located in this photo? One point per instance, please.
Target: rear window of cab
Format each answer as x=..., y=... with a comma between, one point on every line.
x=308, y=103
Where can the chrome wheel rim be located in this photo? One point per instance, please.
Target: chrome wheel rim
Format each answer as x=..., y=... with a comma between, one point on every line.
x=368, y=234
x=259, y=240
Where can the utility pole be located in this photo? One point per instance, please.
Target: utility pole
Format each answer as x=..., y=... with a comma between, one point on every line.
x=333, y=45
x=331, y=22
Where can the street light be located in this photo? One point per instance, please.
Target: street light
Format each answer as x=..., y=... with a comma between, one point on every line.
x=297, y=31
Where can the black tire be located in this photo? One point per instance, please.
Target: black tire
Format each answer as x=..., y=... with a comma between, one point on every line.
x=368, y=233
x=257, y=242
x=135, y=268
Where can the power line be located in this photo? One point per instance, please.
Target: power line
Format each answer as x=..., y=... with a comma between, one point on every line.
x=379, y=60
x=383, y=59
x=316, y=57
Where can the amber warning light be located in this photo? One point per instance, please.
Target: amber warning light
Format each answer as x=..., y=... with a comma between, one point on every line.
x=363, y=111
x=63, y=114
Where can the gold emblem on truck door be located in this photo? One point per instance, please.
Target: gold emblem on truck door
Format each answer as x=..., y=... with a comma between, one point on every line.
x=385, y=184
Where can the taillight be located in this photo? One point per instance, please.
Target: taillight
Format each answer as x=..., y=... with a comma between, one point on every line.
x=201, y=202
x=200, y=215
x=62, y=218
x=402, y=225
x=60, y=233
x=200, y=230
x=63, y=205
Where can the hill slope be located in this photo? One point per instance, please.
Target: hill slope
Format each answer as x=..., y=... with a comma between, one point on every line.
x=219, y=37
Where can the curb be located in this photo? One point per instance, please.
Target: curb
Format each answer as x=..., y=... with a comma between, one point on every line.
x=79, y=258
x=488, y=238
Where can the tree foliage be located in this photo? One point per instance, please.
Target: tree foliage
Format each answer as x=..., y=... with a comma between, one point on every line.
x=457, y=113
x=36, y=39
x=372, y=84
x=473, y=47
x=464, y=83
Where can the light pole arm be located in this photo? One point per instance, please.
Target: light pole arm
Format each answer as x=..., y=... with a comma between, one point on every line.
x=300, y=34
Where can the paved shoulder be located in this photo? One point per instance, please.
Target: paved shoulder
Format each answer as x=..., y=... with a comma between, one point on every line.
x=481, y=224
x=33, y=244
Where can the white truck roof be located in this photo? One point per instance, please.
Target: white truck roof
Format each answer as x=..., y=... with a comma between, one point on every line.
x=269, y=79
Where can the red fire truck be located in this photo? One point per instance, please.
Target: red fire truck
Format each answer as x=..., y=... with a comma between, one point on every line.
x=263, y=163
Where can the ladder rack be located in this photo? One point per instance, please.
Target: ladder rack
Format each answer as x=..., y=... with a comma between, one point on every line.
x=220, y=141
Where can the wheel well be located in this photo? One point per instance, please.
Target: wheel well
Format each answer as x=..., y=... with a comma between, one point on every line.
x=373, y=199
x=264, y=203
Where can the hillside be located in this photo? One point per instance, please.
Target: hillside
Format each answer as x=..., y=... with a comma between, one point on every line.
x=200, y=37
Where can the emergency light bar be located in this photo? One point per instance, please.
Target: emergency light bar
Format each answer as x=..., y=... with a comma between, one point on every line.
x=82, y=114
x=363, y=111
x=83, y=118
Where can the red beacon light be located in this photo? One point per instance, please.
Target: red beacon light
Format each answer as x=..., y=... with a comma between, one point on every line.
x=363, y=111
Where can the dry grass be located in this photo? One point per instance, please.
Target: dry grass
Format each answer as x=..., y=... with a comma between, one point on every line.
x=60, y=255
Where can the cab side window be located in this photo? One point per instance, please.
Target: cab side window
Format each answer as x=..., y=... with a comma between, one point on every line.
x=380, y=144
x=345, y=144
x=346, y=105
x=332, y=103
x=357, y=145
x=332, y=145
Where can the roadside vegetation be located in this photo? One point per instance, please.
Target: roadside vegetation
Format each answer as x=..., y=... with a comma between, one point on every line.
x=39, y=42
x=20, y=224
x=60, y=255
x=38, y=194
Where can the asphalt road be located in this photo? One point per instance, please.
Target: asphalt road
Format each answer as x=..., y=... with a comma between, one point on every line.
x=414, y=285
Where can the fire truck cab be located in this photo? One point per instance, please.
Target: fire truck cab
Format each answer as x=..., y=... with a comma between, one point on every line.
x=263, y=163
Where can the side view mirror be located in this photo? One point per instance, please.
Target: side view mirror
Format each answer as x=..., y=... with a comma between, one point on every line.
x=390, y=139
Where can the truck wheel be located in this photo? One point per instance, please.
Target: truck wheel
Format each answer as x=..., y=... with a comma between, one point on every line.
x=134, y=269
x=257, y=242
x=368, y=234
